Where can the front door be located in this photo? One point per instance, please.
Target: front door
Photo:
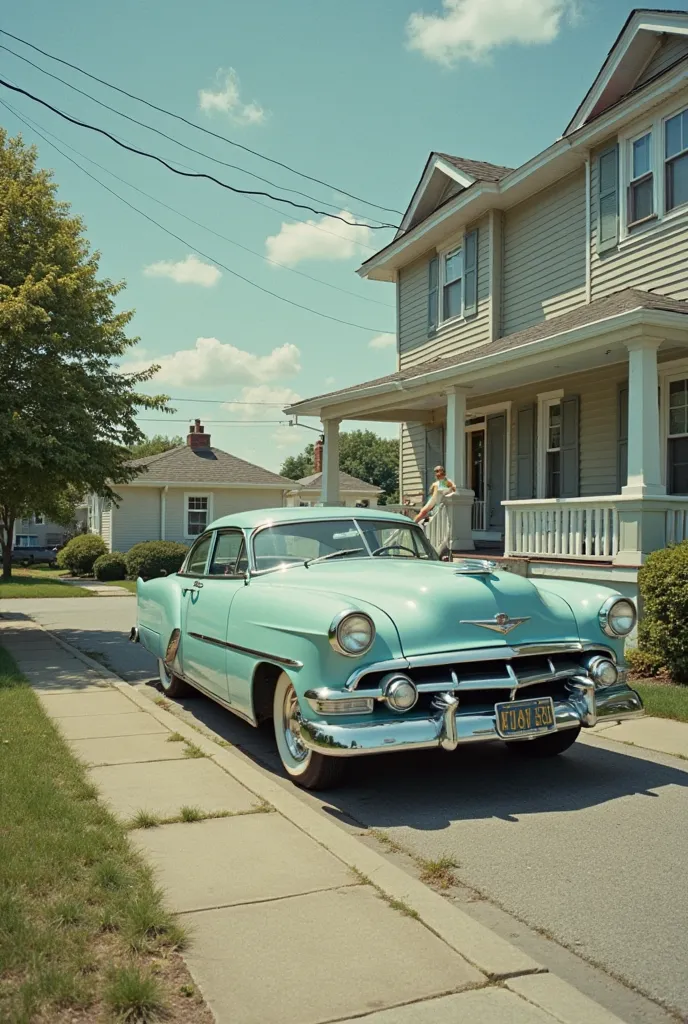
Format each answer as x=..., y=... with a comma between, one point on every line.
x=495, y=490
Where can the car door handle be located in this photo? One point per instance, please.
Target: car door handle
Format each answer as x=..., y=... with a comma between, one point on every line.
x=197, y=583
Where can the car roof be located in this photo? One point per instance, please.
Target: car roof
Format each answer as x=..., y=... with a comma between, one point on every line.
x=266, y=516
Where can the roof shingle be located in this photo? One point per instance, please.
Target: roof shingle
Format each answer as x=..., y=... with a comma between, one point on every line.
x=204, y=465
x=346, y=483
x=478, y=169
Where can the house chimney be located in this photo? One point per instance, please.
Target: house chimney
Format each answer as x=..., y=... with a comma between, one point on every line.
x=318, y=455
x=197, y=438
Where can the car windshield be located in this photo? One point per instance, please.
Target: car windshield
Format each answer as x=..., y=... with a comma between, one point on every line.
x=295, y=543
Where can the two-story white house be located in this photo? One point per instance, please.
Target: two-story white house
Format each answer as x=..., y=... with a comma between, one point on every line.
x=542, y=335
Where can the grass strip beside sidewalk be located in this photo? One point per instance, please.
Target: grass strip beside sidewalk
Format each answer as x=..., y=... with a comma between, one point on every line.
x=25, y=584
x=83, y=929
x=664, y=700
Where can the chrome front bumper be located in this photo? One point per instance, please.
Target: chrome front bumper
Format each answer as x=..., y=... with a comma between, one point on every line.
x=449, y=727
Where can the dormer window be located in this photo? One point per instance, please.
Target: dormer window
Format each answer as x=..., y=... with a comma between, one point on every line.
x=676, y=160
x=641, y=200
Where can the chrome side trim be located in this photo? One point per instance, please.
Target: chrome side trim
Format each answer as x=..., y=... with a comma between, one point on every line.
x=247, y=650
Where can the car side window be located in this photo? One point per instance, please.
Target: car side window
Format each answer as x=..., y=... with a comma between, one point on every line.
x=229, y=556
x=198, y=557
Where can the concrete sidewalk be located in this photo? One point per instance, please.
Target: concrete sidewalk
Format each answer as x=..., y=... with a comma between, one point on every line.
x=661, y=734
x=290, y=915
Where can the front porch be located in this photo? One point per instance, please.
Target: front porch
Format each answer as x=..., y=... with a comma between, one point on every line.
x=557, y=442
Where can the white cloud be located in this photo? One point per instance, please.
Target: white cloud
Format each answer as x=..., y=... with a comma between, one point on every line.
x=308, y=241
x=290, y=438
x=211, y=363
x=382, y=341
x=471, y=29
x=226, y=99
x=188, y=271
x=263, y=402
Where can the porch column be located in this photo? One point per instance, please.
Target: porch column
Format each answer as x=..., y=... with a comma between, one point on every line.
x=330, y=472
x=460, y=504
x=644, y=460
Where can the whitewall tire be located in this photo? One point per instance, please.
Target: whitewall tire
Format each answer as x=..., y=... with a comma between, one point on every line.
x=305, y=767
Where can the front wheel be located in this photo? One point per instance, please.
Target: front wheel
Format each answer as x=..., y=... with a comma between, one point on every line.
x=545, y=746
x=172, y=685
x=303, y=766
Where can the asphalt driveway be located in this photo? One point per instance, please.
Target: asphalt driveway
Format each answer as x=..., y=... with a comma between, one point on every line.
x=588, y=849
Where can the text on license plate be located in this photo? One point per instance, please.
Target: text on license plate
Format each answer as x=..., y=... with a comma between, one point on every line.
x=517, y=717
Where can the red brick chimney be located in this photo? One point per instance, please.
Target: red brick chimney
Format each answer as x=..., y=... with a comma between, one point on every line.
x=197, y=438
x=318, y=455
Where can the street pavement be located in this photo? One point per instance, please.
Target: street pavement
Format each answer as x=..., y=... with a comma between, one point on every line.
x=587, y=850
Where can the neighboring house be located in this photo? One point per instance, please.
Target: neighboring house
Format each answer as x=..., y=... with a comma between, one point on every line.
x=179, y=492
x=542, y=334
x=38, y=532
x=352, y=491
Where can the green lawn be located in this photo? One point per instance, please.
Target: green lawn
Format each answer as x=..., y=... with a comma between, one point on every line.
x=32, y=583
x=664, y=700
x=84, y=934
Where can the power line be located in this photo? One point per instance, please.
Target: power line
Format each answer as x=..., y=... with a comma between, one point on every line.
x=172, y=234
x=237, y=423
x=198, y=127
x=245, y=248
x=190, y=174
x=170, y=138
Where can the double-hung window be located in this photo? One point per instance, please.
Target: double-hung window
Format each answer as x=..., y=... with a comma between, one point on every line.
x=553, y=450
x=676, y=161
x=197, y=514
x=452, y=284
x=677, y=441
x=641, y=199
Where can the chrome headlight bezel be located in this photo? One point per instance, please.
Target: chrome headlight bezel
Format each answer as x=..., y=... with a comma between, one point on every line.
x=597, y=665
x=393, y=682
x=606, y=613
x=336, y=633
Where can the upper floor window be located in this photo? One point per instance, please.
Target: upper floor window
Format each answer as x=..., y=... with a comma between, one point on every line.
x=452, y=284
x=641, y=200
x=676, y=160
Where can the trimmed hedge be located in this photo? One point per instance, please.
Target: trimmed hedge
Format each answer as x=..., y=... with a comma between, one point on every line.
x=151, y=557
x=80, y=554
x=110, y=567
x=662, y=634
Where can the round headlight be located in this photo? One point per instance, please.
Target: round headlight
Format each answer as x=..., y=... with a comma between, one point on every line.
x=617, y=616
x=352, y=633
x=400, y=692
x=603, y=671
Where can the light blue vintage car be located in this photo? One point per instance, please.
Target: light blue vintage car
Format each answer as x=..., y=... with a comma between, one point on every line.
x=346, y=629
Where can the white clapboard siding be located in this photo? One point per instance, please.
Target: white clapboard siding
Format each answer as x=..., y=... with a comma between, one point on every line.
x=671, y=49
x=414, y=344
x=543, y=272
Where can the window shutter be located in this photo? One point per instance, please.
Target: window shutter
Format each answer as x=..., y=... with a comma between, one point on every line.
x=569, y=450
x=525, y=452
x=622, y=437
x=608, y=199
x=433, y=293
x=470, y=274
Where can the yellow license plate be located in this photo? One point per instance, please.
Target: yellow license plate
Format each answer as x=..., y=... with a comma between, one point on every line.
x=525, y=717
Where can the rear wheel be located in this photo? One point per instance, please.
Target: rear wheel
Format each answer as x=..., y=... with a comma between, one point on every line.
x=172, y=685
x=303, y=766
x=545, y=746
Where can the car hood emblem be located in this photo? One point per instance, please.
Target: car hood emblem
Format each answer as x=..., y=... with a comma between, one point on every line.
x=501, y=623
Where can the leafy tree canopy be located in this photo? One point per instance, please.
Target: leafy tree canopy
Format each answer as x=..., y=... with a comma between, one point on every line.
x=155, y=445
x=363, y=454
x=67, y=415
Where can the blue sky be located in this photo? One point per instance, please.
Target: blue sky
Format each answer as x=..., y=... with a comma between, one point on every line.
x=356, y=94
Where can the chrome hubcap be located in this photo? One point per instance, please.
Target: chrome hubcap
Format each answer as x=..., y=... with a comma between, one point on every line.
x=291, y=718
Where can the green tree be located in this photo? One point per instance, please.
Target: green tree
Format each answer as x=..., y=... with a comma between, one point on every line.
x=363, y=454
x=67, y=415
x=155, y=445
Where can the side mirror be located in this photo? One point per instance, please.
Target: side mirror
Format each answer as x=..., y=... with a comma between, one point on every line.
x=163, y=572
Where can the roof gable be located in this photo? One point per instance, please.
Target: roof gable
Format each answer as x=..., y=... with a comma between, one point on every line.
x=445, y=176
x=648, y=44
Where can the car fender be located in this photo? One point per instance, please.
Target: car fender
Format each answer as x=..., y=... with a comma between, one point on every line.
x=585, y=601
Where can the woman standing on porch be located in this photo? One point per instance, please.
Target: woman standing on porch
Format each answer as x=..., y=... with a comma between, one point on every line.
x=440, y=488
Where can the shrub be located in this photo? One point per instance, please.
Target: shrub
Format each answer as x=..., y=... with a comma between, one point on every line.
x=663, y=584
x=110, y=567
x=149, y=558
x=641, y=663
x=80, y=553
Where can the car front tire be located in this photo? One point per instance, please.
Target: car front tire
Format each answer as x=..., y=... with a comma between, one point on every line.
x=304, y=767
x=545, y=746
x=171, y=684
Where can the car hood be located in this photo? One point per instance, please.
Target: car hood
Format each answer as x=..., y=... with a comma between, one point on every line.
x=432, y=605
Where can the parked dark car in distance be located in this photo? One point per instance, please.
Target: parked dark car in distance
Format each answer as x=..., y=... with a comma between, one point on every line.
x=33, y=556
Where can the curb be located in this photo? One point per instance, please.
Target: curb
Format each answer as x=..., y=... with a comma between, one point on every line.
x=496, y=958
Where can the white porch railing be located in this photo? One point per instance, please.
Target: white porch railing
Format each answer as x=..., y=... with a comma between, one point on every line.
x=586, y=528
x=478, y=520
x=438, y=529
